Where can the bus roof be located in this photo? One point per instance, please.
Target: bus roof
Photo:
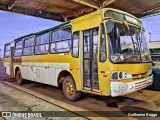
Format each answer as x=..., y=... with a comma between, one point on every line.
x=24, y=36
x=9, y=42
x=121, y=12
x=53, y=28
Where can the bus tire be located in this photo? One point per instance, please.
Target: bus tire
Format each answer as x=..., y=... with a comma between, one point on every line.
x=19, y=77
x=69, y=89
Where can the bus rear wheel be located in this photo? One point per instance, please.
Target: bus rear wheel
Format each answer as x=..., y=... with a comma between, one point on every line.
x=69, y=89
x=19, y=77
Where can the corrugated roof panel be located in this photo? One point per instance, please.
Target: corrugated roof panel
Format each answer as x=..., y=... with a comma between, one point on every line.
x=76, y=8
x=4, y=1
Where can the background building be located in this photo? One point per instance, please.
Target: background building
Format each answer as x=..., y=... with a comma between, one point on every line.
x=154, y=47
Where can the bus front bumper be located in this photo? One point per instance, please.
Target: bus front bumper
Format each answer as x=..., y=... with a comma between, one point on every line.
x=121, y=88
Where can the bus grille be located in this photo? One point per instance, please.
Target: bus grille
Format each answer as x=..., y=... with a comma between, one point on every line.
x=140, y=85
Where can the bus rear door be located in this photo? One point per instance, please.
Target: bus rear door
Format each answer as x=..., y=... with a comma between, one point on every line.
x=11, y=60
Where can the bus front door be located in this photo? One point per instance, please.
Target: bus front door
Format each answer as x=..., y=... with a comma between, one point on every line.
x=90, y=60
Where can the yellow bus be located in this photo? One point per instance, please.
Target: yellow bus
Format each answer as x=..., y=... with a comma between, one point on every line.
x=102, y=53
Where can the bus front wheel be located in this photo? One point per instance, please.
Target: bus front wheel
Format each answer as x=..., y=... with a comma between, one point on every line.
x=69, y=89
x=19, y=77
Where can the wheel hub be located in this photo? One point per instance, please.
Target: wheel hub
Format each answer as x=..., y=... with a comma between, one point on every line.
x=69, y=88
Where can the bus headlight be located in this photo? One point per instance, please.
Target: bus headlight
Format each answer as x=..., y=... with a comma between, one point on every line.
x=118, y=75
x=149, y=72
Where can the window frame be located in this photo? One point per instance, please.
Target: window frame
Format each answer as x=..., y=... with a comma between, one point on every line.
x=24, y=39
x=78, y=32
x=51, y=42
x=19, y=48
x=42, y=44
x=7, y=50
x=102, y=24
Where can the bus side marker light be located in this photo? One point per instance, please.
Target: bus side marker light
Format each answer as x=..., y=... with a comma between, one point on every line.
x=104, y=75
x=102, y=71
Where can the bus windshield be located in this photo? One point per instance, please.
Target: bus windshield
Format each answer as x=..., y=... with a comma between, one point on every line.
x=127, y=43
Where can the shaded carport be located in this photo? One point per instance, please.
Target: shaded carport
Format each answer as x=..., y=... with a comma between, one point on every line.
x=61, y=10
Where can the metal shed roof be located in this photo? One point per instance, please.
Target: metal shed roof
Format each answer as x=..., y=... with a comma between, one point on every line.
x=61, y=10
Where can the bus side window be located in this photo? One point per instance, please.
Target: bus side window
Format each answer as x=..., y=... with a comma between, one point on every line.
x=28, y=46
x=18, y=48
x=7, y=50
x=103, y=55
x=61, y=40
x=42, y=43
x=75, y=44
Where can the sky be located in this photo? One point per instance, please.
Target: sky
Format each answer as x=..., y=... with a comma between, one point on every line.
x=152, y=25
x=14, y=25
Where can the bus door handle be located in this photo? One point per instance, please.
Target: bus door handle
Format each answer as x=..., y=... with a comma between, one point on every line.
x=46, y=67
x=32, y=68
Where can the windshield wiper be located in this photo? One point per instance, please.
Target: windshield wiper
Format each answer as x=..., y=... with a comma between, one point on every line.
x=133, y=43
x=138, y=41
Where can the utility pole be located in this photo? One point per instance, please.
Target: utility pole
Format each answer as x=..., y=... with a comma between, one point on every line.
x=149, y=37
x=0, y=54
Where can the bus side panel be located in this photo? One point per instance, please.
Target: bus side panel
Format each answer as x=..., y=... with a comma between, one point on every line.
x=55, y=69
x=75, y=71
x=57, y=63
x=27, y=69
x=41, y=72
x=6, y=65
x=75, y=67
x=104, y=78
x=41, y=68
x=52, y=75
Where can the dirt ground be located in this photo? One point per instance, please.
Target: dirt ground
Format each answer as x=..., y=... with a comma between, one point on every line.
x=12, y=99
x=15, y=100
x=3, y=75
